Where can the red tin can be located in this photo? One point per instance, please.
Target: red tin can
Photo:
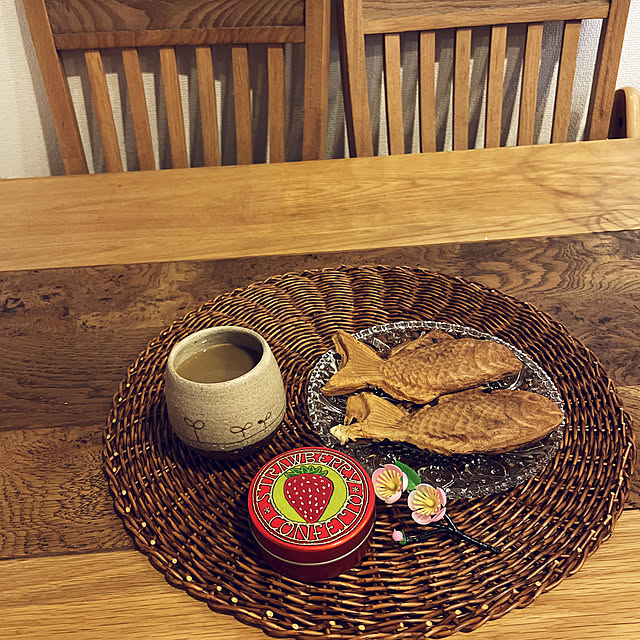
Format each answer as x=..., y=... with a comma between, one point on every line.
x=312, y=512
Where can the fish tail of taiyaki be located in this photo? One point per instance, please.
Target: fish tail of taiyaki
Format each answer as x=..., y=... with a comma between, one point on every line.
x=360, y=366
x=369, y=416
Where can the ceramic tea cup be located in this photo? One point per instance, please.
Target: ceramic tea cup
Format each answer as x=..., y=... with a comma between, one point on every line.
x=224, y=390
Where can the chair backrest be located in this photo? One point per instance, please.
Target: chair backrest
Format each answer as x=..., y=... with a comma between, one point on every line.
x=360, y=18
x=128, y=25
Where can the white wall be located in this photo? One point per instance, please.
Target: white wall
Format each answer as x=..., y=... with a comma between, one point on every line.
x=28, y=146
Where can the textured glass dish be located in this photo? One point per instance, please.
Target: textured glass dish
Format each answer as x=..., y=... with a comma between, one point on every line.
x=463, y=476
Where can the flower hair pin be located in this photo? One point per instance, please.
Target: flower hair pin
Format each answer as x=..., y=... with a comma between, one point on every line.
x=428, y=504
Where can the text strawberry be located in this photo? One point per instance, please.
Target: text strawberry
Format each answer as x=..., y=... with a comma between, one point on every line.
x=308, y=490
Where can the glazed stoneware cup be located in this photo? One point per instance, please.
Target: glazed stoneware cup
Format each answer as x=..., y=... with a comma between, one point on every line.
x=225, y=419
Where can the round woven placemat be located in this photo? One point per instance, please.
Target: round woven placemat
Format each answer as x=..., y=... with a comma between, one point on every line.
x=188, y=514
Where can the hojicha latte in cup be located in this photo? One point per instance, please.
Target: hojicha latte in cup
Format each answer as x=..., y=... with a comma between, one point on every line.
x=224, y=390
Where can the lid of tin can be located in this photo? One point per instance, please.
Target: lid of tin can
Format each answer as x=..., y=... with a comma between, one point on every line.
x=311, y=505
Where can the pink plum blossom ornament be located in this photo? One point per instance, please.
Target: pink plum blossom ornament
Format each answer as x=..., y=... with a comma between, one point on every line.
x=389, y=482
x=427, y=503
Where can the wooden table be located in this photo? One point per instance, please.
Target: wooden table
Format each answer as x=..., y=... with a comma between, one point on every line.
x=562, y=229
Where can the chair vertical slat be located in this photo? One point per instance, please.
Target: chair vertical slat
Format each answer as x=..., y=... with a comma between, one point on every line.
x=393, y=89
x=173, y=100
x=566, y=72
x=607, y=62
x=354, y=77
x=461, y=89
x=275, y=72
x=57, y=88
x=625, y=114
x=529, y=93
x=317, y=47
x=208, y=107
x=427, y=65
x=139, y=113
x=104, y=111
x=493, y=128
x=242, y=103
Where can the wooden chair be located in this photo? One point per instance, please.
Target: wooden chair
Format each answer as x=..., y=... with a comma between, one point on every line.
x=86, y=25
x=359, y=18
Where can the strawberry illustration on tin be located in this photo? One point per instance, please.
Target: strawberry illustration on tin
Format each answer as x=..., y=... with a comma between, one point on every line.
x=308, y=490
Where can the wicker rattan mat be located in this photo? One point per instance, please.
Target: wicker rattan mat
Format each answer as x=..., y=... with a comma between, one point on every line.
x=188, y=514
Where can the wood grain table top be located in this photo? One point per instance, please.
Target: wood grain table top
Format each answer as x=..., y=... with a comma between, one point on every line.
x=321, y=206
x=69, y=332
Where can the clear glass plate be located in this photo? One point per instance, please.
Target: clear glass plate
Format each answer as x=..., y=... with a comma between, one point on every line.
x=462, y=476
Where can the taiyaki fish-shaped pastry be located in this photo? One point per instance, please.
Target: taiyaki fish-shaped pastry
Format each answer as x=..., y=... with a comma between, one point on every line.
x=472, y=421
x=421, y=370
